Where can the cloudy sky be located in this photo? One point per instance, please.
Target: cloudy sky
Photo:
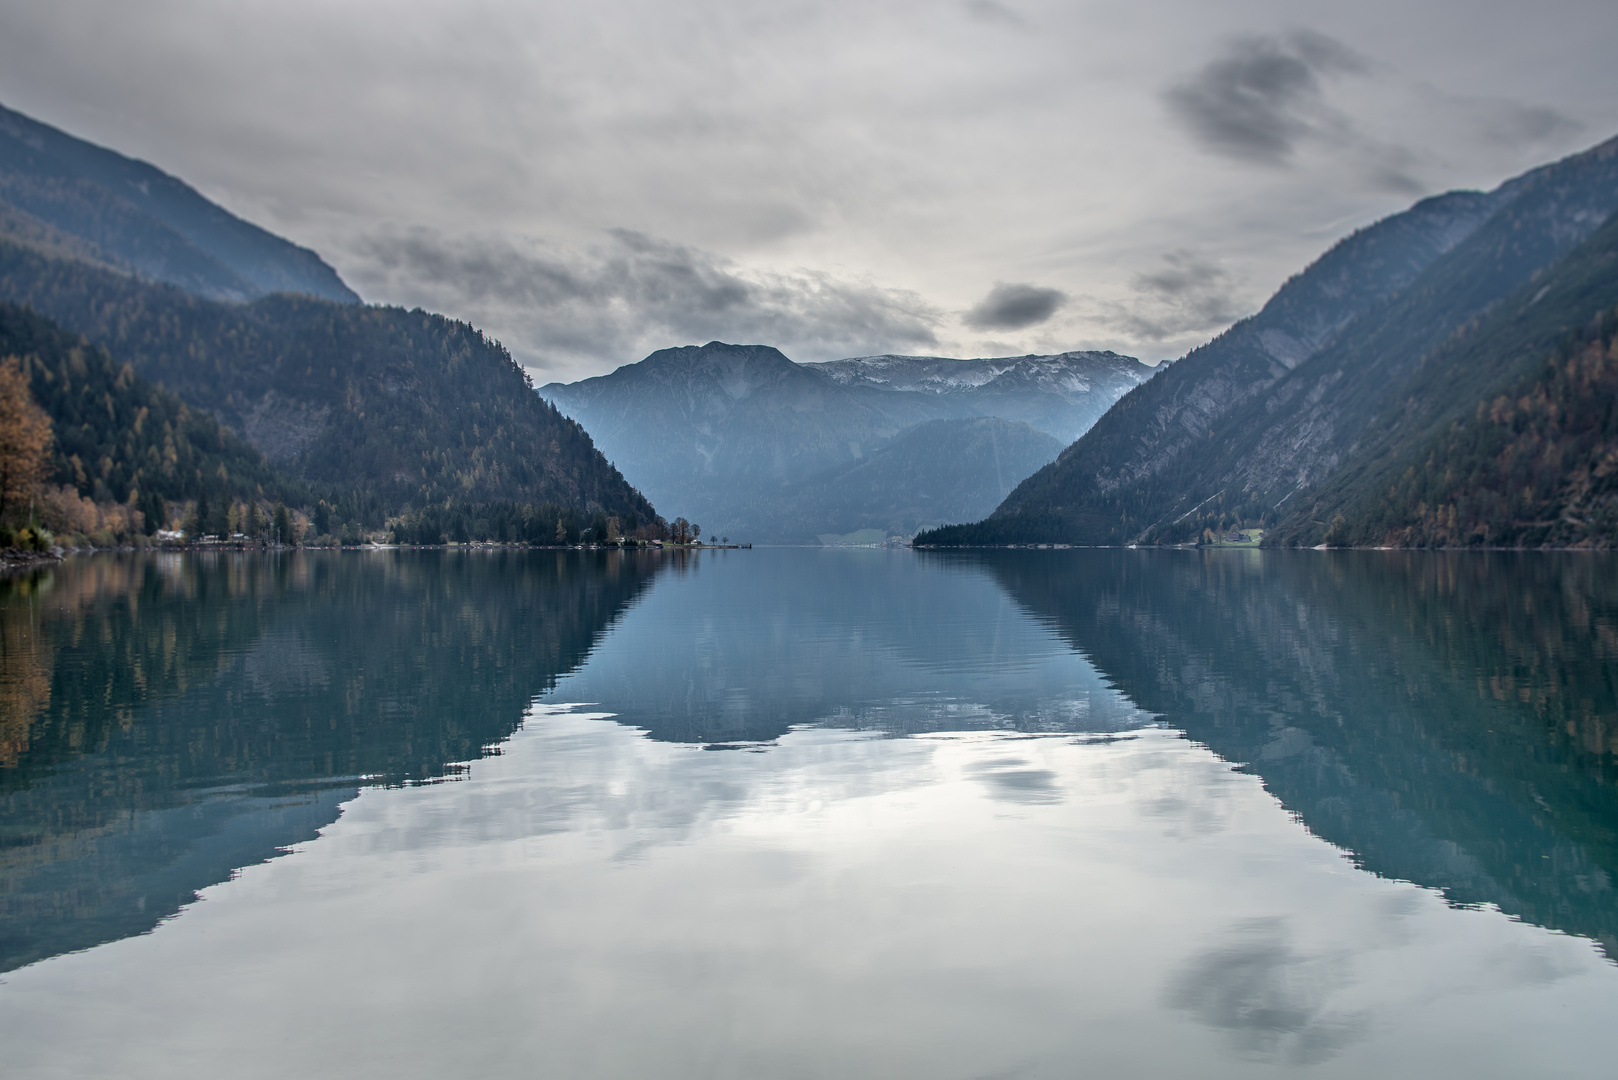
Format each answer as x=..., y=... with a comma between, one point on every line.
x=590, y=182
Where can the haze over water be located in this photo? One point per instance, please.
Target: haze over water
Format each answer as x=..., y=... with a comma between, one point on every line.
x=807, y=813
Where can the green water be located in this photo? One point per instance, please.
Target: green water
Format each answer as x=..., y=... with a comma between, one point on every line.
x=809, y=813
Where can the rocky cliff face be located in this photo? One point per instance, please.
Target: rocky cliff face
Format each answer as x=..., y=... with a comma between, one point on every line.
x=1325, y=414
x=749, y=443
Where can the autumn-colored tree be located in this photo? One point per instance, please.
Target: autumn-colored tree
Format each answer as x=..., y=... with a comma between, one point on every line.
x=25, y=677
x=25, y=437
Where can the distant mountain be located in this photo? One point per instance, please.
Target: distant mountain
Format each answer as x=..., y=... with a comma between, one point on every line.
x=938, y=470
x=383, y=408
x=1354, y=362
x=71, y=198
x=1061, y=395
x=750, y=444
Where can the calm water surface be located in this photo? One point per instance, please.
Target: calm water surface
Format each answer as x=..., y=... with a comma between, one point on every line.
x=810, y=814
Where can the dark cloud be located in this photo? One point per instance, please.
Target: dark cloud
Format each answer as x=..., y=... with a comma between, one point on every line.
x=1014, y=307
x=1264, y=98
x=561, y=311
x=1258, y=100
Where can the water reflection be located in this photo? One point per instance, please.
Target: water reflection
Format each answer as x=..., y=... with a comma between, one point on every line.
x=1450, y=719
x=169, y=719
x=744, y=648
x=596, y=903
x=1043, y=878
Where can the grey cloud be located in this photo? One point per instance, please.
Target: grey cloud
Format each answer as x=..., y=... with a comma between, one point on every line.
x=1511, y=123
x=1325, y=53
x=1258, y=100
x=1189, y=293
x=1014, y=307
x=992, y=11
x=1389, y=171
x=563, y=311
x=1265, y=97
x=1184, y=274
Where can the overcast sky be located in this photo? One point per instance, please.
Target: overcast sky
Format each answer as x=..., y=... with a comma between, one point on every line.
x=589, y=182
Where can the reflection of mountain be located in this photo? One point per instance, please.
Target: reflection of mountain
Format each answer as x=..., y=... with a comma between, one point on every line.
x=1449, y=720
x=900, y=488
x=743, y=648
x=171, y=719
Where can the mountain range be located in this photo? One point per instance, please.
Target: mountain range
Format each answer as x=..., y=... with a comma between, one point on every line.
x=1367, y=402
x=753, y=445
x=1442, y=377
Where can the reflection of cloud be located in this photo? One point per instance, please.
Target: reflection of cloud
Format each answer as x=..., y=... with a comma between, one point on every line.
x=1014, y=307
x=634, y=294
x=1012, y=780
x=1272, y=998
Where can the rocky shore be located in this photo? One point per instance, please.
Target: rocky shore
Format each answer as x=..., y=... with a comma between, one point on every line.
x=15, y=560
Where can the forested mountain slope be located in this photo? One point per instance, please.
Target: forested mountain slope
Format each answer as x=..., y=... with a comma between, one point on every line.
x=70, y=197
x=1219, y=439
x=1507, y=435
x=404, y=407
x=118, y=439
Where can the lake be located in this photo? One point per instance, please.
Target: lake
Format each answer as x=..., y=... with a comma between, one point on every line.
x=809, y=813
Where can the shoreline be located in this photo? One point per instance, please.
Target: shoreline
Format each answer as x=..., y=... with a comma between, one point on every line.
x=1231, y=547
x=20, y=558
x=16, y=560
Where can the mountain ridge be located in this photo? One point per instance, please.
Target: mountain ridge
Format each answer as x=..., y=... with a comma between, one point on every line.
x=398, y=408
x=132, y=216
x=1239, y=427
